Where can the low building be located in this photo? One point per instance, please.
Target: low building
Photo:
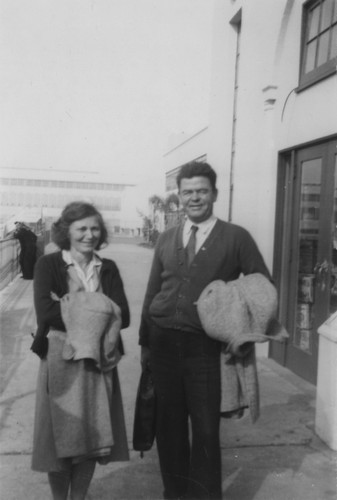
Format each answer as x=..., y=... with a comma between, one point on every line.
x=42, y=194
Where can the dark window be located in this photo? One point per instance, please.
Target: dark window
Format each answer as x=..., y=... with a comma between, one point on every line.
x=319, y=41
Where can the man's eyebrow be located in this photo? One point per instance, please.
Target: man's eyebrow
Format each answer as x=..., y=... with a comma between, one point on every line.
x=197, y=190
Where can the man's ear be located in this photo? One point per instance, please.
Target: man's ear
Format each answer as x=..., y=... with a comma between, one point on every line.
x=215, y=193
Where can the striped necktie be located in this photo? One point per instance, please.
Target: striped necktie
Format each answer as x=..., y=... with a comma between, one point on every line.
x=190, y=248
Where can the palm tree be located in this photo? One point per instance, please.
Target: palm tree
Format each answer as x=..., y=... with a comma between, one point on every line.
x=157, y=203
x=165, y=211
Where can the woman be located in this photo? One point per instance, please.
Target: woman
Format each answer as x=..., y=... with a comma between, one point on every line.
x=79, y=416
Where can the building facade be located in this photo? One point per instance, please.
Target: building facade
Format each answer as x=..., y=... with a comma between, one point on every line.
x=272, y=138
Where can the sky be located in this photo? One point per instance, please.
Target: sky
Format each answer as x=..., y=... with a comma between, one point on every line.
x=100, y=85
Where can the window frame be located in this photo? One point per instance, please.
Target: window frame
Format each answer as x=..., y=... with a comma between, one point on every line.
x=324, y=70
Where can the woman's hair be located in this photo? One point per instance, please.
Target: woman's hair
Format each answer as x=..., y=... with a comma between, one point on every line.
x=72, y=212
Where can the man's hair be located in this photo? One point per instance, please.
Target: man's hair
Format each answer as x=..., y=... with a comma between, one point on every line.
x=197, y=169
x=72, y=212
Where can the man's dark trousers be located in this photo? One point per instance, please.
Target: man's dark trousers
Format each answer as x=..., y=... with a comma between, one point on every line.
x=186, y=371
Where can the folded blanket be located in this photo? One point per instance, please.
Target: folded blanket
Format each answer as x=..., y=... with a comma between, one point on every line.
x=240, y=312
x=93, y=323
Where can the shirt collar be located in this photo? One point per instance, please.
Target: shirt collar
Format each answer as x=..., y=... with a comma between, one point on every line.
x=66, y=255
x=203, y=226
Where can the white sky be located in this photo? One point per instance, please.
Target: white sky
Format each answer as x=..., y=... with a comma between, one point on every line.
x=101, y=84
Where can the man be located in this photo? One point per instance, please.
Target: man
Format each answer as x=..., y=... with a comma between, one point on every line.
x=186, y=362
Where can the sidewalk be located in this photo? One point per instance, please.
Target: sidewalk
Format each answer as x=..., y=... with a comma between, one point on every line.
x=278, y=458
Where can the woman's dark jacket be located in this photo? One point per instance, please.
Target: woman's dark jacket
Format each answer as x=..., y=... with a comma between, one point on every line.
x=51, y=276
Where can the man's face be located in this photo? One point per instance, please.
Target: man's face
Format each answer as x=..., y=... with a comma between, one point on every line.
x=197, y=198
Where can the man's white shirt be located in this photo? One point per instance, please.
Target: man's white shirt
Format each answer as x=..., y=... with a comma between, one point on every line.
x=204, y=229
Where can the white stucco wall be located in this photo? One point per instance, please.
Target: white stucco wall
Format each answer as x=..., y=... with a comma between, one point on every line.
x=221, y=103
x=304, y=116
x=189, y=149
x=269, y=116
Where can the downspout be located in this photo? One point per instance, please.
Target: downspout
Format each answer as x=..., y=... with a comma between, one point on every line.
x=233, y=145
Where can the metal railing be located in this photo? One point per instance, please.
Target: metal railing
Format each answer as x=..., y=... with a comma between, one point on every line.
x=9, y=261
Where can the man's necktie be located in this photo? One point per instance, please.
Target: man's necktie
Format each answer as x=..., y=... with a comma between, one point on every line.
x=190, y=248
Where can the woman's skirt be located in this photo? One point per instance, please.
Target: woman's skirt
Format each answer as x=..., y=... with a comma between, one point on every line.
x=79, y=413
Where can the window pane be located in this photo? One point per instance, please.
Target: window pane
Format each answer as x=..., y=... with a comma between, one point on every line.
x=323, y=48
x=334, y=19
x=313, y=22
x=326, y=14
x=334, y=43
x=307, y=251
x=310, y=61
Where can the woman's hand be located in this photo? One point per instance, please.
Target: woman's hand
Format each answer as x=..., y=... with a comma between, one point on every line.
x=65, y=309
x=40, y=342
x=40, y=346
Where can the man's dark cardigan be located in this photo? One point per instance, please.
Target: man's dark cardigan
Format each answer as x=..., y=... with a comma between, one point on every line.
x=173, y=288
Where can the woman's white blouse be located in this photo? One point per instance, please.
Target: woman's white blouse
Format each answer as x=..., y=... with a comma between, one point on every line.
x=89, y=279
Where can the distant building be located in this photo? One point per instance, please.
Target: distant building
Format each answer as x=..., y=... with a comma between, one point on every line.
x=272, y=138
x=34, y=194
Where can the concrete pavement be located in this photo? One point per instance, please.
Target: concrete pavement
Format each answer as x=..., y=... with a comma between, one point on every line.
x=278, y=458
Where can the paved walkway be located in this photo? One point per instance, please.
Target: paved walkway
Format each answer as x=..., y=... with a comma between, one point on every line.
x=278, y=458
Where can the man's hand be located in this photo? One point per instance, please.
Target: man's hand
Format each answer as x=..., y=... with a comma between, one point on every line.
x=145, y=357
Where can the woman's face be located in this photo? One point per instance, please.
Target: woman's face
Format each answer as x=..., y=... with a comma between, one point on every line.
x=84, y=234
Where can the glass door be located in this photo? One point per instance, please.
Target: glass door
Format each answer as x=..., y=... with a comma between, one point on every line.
x=306, y=263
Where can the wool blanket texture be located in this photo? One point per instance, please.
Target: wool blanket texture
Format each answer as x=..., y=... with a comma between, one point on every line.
x=93, y=323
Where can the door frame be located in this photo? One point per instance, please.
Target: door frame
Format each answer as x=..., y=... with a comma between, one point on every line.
x=286, y=226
